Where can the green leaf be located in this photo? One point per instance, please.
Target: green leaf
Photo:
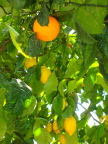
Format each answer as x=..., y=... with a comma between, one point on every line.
x=31, y=107
x=100, y=131
x=43, y=112
x=60, y=2
x=82, y=123
x=101, y=81
x=29, y=133
x=2, y=95
x=42, y=136
x=63, y=16
x=2, y=123
x=71, y=139
x=2, y=127
x=14, y=35
x=89, y=83
x=61, y=87
x=88, y=21
x=51, y=84
x=71, y=103
x=4, y=83
x=67, y=112
x=83, y=34
x=103, y=42
x=72, y=67
x=15, y=101
x=57, y=104
x=37, y=86
x=17, y=4
x=43, y=16
x=35, y=46
x=72, y=85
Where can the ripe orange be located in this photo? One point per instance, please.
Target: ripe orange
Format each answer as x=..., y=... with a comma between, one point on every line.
x=47, y=33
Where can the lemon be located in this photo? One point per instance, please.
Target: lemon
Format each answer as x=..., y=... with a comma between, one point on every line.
x=45, y=73
x=62, y=139
x=30, y=62
x=49, y=127
x=64, y=104
x=70, y=125
x=55, y=127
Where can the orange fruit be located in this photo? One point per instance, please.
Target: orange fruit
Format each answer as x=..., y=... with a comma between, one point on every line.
x=70, y=125
x=30, y=62
x=49, y=32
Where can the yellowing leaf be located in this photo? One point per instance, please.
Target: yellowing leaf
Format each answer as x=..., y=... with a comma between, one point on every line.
x=101, y=81
x=14, y=35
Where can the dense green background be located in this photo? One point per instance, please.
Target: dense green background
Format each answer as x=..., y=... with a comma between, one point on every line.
x=78, y=61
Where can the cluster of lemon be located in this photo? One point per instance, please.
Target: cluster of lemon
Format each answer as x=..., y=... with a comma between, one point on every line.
x=69, y=125
x=45, y=72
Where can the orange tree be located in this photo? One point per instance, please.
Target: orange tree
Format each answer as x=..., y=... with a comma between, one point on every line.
x=60, y=96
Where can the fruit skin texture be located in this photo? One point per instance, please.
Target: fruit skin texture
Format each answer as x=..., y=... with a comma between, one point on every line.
x=30, y=62
x=45, y=73
x=70, y=125
x=62, y=139
x=55, y=127
x=47, y=33
x=49, y=127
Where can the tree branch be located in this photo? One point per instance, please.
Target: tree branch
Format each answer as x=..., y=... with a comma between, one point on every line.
x=3, y=45
x=90, y=5
x=3, y=9
x=88, y=112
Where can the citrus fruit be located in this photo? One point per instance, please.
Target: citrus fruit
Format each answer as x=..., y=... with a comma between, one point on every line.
x=49, y=127
x=30, y=62
x=64, y=104
x=70, y=125
x=62, y=139
x=49, y=32
x=55, y=127
x=45, y=73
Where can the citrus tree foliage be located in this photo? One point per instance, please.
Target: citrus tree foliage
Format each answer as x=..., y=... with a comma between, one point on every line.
x=77, y=59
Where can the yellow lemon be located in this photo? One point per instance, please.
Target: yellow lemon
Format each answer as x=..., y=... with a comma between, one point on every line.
x=45, y=73
x=49, y=127
x=64, y=104
x=30, y=62
x=55, y=127
x=62, y=139
x=70, y=125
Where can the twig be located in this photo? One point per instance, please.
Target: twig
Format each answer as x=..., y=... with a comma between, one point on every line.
x=18, y=135
x=4, y=10
x=88, y=112
x=3, y=45
x=90, y=5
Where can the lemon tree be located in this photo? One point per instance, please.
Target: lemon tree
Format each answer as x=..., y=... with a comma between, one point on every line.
x=53, y=72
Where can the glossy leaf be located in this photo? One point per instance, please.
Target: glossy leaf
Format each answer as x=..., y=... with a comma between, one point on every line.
x=52, y=84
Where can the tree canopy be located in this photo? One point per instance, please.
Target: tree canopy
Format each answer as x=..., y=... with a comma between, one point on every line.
x=77, y=60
